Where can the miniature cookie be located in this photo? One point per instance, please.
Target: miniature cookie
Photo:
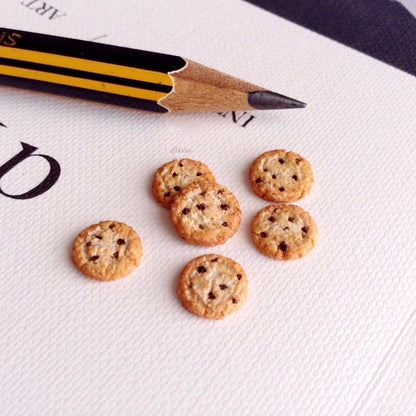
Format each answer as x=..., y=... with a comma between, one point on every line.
x=212, y=286
x=107, y=250
x=283, y=231
x=205, y=213
x=175, y=175
x=281, y=176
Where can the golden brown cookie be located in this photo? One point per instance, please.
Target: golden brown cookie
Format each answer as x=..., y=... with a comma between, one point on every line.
x=281, y=176
x=107, y=250
x=212, y=286
x=284, y=231
x=205, y=213
x=173, y=176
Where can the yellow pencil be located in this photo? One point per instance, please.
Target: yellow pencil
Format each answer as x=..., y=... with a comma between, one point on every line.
x=145, y=80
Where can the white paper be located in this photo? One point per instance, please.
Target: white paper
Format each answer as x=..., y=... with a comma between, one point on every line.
x=316, y=336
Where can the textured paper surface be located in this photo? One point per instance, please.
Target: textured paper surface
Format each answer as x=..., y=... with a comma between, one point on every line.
x=328, y=334
x=392, y=391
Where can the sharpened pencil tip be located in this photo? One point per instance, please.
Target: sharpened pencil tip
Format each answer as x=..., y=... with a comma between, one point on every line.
x=268, y=100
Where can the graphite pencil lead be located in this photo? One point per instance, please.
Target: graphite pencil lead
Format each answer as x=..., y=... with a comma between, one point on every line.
x=268, y=100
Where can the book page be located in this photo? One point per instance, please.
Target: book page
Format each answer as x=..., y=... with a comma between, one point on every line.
x=313, y=335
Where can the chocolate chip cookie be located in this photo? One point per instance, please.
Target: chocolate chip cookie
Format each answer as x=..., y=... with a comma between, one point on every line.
x=281, y=176
x=175, y=175
x=284, y=231
x=205, y=213
x=212, y=286
x=107, y=250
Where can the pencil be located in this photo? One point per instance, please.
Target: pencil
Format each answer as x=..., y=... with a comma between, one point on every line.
x=144, y=80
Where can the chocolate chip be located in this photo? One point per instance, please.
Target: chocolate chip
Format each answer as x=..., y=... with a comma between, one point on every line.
x=297, y=160
x=120, y=241
x=295, y=177
x=98, y=236
x=215, y=260
x=239, y=276
x=115, y=255
x=258, y=180
x=263, y=234
x=224, y=207
x=282, y=246
x=111, y=226
x=176, y=188
x=201, y=207
x=291, y=219
x=235, y=300
x=265, y=170
x=181, y=164
x=166, y=194
x=201, y=269
x=305, y=229
x=223, y=287
x=281, y=189
x=190, y=286
x=285, y=229
x=201, y=227
x=185, y=211
x=174, y=174
x=89, y=244
x=272, y=219
x=93, y=258
x=225, y=224
x=202, y=193
x=274, y=176
x=211, y=295
x=221, y=191
x=281, y=161
x=198, y=174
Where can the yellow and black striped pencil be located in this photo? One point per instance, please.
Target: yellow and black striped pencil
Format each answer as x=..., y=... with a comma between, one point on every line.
x=145, y=80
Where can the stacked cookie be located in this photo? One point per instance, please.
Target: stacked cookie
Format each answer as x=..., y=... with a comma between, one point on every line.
x=282, y=231
x=202, y=211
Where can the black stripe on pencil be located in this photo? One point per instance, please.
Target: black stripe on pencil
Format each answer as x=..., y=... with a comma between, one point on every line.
x=145, y=80
x=97, y=51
